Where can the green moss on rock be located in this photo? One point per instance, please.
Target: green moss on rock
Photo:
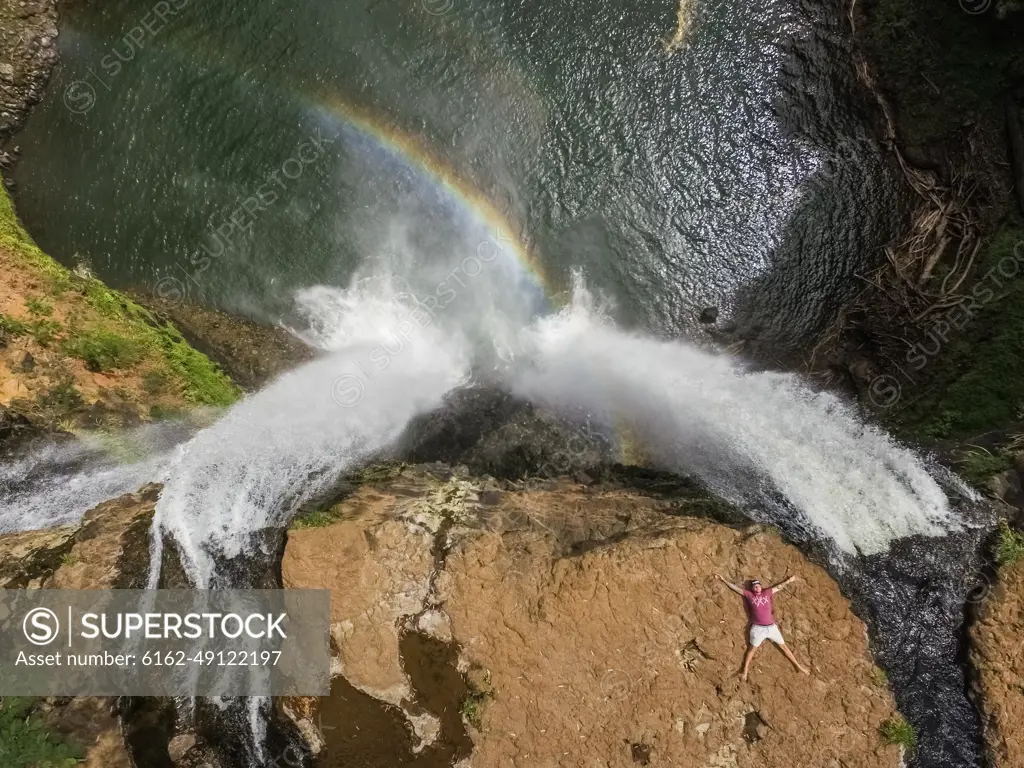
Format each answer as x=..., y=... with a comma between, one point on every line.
x=104, y=350
x=25, y=740
x=121, y=334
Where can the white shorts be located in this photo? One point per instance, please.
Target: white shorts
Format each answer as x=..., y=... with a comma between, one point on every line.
x=759, y=633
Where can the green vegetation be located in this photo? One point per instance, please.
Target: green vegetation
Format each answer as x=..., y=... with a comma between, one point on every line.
x=318, y=518
x=1009, y=548
x=478, y=691
x=472, y=706
x=59, y=284
x=69, y=559
x=125, y=332
x=9, y=326
x=896, y=730
x=976, y=381
x=26, y=742
x=154, y=382
x=62, y=399
x=43, y=331
x=947, y=75
x=108, y=303
x=13, y=237
x=879, y=677
x=38, y=307
x=204, y=383
x=978, y=466
x=471, y=709
x=948, y=67
x=104, y=350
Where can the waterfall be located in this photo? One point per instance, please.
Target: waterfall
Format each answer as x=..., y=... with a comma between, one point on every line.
x=761, y=439
x=286, y=444
x=55, y=483
x=756, y=438
x=787, y=454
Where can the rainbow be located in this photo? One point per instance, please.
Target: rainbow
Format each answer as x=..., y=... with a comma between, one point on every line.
x=411, y=150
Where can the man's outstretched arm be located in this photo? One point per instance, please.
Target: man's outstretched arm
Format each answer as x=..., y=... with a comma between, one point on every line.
x=733, y=587
x=783, y=584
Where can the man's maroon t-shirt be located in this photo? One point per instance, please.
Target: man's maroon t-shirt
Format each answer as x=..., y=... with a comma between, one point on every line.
x=760, y=607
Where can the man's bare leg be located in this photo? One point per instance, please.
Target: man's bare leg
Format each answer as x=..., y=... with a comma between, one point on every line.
x=789, y=655
x=751, y=650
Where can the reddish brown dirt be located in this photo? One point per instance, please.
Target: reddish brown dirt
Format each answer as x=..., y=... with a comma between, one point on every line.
x=997, y=654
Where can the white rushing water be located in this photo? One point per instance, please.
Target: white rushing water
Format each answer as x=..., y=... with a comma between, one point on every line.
x=292, y=440
x=758, y=438
x=749, y=435
x=62, y=500
x=56, y=483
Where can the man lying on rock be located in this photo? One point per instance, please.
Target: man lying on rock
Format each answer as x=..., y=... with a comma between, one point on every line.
x=762, y=622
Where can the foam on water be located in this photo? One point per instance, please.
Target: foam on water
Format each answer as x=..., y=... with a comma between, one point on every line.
x=750, y=435
x=753, y=436
x=284, y=445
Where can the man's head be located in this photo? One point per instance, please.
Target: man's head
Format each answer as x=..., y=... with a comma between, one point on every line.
x=755, y=586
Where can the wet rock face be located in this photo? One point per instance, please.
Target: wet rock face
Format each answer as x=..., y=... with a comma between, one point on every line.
x=111, y=549
x=492, y=432
x=997, y=655
x=591, y=630
x=28, y=36
x=250, y=353
x=108, y=550
x=30, y=558
x=18, y=434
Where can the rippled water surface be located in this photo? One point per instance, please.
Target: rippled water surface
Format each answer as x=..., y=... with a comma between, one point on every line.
x=724, y=169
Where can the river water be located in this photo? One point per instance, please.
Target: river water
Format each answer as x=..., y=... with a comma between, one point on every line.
x=732, y=168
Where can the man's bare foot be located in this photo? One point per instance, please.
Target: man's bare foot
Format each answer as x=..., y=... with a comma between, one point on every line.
x=805, y=670
x=744, y=676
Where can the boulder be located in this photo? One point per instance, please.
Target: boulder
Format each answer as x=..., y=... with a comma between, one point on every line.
x=589, y=628
x=1004, y=486
x=90, y=722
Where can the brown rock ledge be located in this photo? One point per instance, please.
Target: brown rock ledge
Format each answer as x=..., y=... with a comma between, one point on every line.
x=591, y=622
x=107, y=550
x=997, y=654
